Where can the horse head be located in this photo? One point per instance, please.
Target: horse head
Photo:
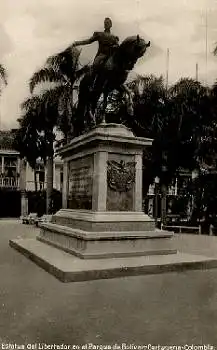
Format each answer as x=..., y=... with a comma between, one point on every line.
x=131, y=49
x=141, y=45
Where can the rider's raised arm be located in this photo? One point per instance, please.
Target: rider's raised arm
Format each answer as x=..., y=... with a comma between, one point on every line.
x=93, y=38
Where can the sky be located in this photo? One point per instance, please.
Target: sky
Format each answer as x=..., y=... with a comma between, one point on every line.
x=32, y=30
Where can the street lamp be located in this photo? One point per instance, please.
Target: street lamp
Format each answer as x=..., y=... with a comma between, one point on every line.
x=194, y=175
x=156, y=188
x=164, y=189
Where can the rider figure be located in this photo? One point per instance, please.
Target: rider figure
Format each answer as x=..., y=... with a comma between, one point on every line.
x=107, y=43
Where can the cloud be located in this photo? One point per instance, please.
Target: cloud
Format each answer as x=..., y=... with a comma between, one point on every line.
x=6, y=45
x=30, y=31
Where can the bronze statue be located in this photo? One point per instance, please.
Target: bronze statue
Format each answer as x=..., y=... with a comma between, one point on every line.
x=106, y=40
x=110, y=69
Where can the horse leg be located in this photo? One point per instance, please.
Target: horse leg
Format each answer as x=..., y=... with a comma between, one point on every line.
x=104, y=105
x=92, y=116
x=129, y=101
x=86, y=100
x=91, y=109
x=95, y=95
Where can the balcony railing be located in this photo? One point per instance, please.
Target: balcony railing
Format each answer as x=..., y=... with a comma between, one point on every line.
x=172, y=190
x=9, y=182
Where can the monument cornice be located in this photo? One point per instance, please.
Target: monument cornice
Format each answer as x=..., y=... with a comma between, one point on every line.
x=103, y=135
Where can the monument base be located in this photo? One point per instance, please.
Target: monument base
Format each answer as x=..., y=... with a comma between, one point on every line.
x=74, y=255
x=94, y=235
x=98, y=246
x=69, y=268
x=104, y=228
x=96, y=221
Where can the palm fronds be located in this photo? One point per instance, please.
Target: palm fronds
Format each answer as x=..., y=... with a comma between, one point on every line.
x=215, y=50
x=3, y=74
x=46, y=75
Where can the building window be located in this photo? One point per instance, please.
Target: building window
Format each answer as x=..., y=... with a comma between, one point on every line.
x=40, y=175
x=10, y=166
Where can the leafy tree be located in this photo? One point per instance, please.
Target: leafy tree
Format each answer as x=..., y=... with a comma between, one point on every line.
x=52, y=109
x=28, y=139
x=182, y=123
x=189, y=108
x=35, y=137
x=61, y=72
x=6, y=140
x=149, y=100
x=204, y=188
x=3, y=75
x=150, y=118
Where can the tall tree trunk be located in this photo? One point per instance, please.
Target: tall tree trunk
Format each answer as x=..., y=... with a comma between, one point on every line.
x=164, y=204
x=50, y=162
x=49, y=190
x=35, y=180
x=24, y=197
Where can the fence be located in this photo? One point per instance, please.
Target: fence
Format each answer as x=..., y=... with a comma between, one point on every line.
x=189, y=229
x=182, y=229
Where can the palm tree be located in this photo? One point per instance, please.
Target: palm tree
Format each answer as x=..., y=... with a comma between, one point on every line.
x=149, y=99
x=193, y=130
x=189, y=116
x=29, y=137
x=151, y=117
x=215, y=50
x=178, y=120
x=63, y=70
x=148, y=95
x=3, y=75
x=35, y=136
x=51, y=109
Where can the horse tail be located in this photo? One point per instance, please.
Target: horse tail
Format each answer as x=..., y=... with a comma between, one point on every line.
x=80, y=114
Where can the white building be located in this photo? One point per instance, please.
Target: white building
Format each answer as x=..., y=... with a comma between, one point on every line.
x=17, y=176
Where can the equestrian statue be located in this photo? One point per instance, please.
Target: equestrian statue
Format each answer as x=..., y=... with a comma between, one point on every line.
x=109, y=71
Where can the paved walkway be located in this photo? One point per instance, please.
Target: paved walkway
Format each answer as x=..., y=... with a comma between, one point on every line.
x=167, y=309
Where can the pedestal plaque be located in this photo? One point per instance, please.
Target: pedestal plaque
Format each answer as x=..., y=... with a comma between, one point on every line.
x=80, y=183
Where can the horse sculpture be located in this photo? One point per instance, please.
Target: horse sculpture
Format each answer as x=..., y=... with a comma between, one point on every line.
x=110, y=75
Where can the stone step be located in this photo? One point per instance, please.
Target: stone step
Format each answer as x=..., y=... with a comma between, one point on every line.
x=98, y=245
x=103, y=235
x=68, y=268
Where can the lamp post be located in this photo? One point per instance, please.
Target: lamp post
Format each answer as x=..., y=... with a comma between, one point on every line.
x=156, y=189
x=164, y=190
x=194, y=175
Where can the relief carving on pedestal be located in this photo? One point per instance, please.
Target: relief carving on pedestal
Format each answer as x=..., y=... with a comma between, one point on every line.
x=121, y=175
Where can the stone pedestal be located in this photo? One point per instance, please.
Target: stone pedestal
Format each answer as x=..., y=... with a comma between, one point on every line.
x=102, y=196
x=101, y=224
